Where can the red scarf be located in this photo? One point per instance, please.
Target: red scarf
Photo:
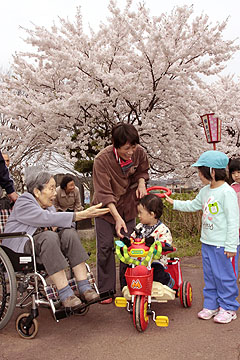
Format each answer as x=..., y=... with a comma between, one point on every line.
x=125, y=164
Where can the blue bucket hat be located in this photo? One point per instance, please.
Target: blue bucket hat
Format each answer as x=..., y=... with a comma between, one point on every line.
x=213, y=159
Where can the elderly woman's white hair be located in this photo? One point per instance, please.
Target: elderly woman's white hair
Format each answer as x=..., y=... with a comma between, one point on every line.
x=37, y=180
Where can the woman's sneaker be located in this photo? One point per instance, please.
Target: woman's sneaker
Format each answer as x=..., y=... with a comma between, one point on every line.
x=225, y=316
x=207, y=314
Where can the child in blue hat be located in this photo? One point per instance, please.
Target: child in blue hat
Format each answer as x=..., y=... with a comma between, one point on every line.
x=219, y=237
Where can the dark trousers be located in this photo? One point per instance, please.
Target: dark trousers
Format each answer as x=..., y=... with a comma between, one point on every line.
x=106, y=267
x=159, y=274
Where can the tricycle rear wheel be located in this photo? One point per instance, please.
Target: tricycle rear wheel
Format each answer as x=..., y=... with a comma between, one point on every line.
x=185, y=294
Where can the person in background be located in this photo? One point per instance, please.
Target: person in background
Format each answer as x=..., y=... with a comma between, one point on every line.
x=6, y=157
x=6, y=182
x=68, y=196
x=54, y=236
x=234, y=174
x=119, y=175
x=219, y=237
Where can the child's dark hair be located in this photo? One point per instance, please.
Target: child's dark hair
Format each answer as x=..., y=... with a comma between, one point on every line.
x=220, y=174
x=123, y=133
x=234, y=165
x=152, y=203
x=65, y=180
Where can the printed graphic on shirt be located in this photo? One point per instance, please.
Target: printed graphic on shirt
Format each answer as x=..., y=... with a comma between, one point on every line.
x=210, y=208
x=213, y=208
x=206, y=209
x=208, y=226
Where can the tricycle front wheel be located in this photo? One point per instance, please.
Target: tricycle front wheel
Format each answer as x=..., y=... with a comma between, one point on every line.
x=140, y=316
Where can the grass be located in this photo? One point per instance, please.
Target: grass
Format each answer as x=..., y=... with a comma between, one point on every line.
x=90, y=246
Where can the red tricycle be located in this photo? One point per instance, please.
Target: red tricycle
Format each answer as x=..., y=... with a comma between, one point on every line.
x=141, y=290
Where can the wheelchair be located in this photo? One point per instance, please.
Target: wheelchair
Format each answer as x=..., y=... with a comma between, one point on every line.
x=25, y=284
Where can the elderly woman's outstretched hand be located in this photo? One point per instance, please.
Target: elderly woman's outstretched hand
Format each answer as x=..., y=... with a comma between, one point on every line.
x=91, y=212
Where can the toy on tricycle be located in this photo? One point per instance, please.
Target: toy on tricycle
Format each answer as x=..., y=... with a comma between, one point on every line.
x=141, y=291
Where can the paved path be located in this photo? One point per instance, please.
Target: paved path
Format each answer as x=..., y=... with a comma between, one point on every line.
x=107, y=333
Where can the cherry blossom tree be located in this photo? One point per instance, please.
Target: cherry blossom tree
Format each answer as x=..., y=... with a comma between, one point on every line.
x=152, y=71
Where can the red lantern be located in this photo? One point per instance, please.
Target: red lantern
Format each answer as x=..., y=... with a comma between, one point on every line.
x=212, y=128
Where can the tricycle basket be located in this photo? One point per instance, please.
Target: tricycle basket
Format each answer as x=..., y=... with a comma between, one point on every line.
x=139, y=284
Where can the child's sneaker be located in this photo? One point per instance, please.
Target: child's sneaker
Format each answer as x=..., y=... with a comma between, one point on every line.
x=207, y=314
x=225, y=316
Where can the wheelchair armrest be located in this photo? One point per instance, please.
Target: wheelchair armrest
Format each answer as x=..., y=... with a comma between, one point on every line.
x=15, y=234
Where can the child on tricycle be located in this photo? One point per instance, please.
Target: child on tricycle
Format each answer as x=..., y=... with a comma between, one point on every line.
x=152, y=277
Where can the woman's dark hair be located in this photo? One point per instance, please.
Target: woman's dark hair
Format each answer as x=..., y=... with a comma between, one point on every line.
x=220, y=174
x=65, y=180
x=123, y=133
x=152, y=203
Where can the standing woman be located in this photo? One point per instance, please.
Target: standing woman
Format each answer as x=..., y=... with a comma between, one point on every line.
x=119, y=175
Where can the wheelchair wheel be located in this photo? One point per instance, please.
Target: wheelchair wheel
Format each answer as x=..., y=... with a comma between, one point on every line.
x=8, y=289
x=185, y=294
x=140, y=317
x=26, y=331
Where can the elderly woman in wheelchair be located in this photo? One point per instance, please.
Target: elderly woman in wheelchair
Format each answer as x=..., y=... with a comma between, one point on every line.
x=54, y=238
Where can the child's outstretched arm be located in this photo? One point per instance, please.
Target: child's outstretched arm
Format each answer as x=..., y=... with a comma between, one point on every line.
x=186, y=205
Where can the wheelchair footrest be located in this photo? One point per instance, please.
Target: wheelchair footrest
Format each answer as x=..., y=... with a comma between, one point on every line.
x=120, y=302
x=63, y=313
x=162, y=321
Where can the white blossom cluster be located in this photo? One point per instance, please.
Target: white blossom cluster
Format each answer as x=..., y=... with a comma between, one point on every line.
x=137, y=68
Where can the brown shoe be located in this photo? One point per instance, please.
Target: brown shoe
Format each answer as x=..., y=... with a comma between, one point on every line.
x=72, y=302
x=89, y=295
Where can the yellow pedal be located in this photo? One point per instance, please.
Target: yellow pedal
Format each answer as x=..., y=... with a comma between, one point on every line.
x=162, y=321
x=120, y=302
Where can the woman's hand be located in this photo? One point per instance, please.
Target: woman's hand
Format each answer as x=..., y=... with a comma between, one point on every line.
x=91, y=212
x=13, y=196
x=141, y=189
x=120, y=224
